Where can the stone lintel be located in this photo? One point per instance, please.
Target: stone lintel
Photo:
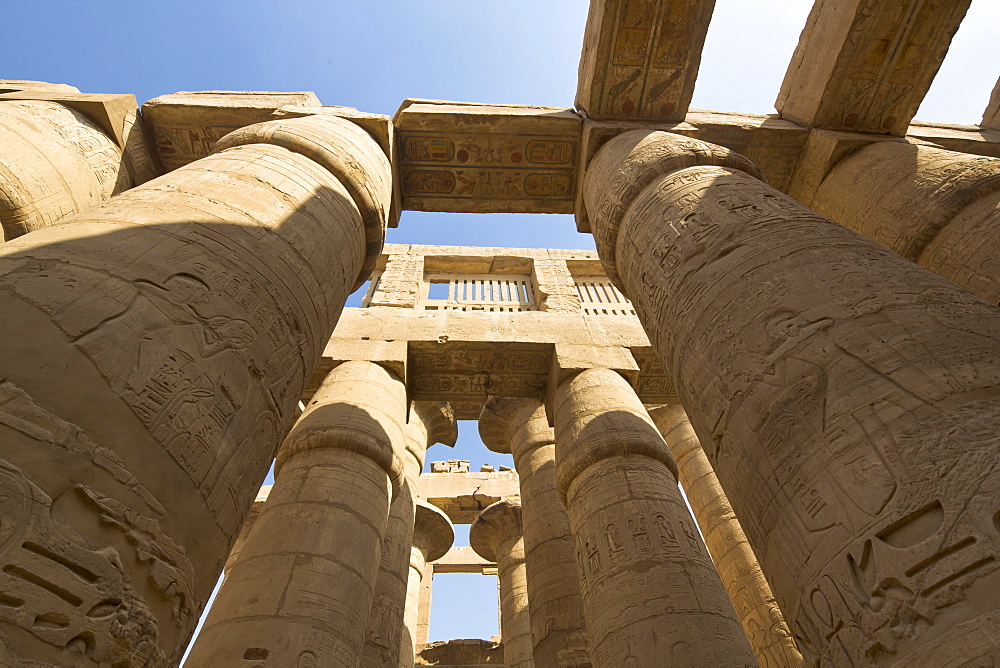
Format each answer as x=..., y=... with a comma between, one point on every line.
x=823, y=150
x=773, y=144
x=462, y=559
x=960, y=138
x=389, y=354
x=187, y=124
x=572, y=358
x=480, y=158
x=465, y=653
x=991, y=117
x=462, y=496
x=865, y=65
x=640, y=58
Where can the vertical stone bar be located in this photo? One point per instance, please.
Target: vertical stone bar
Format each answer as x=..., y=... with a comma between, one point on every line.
x=304, y=588
x=939, y=208
x=651, y=595
x=496, y=535
x=387, y=641
x=759, y=614
x=54, y=162
x=847, y=399
x=155, y=348
x=520, y=427
x=433, y=536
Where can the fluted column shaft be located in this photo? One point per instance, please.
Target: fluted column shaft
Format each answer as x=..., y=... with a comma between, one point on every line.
x=520, y=426
x=651, y=595
x=155, y=347
x=939, y=208
x=759, y=614
x=303, y=585
x=433, y=536
x=388, y=642
x=846, y=398
x=496, y=535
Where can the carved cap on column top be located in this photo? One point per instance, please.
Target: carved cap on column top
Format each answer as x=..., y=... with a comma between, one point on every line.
x=360, y=407
x=675, y=427
x=514, y=425
x=433, y=533
x=498, y=522
x=598, y=416
x=346, y=151
x=430, y=422
x=630, y=162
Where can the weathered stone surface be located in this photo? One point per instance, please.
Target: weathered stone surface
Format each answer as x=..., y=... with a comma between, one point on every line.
x=433, y=536
x=54, y=162
x=651, y=595
x=640, y=58
x=461, y=654
x=387, y=641
x=248, y=522
x=991, y=117
x=846, y=396
x=520, y=427
x=133, y=387
x=938, y=208
x=487, y=158
x=462, y=496
x=298, y=594
x=759, y=614
x=187, y=124
x=496, y=534
x=12, y=85
x=865, y=65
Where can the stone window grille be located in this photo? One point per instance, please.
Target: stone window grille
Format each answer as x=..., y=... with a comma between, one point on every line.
x=599, y=296
x=488, y=292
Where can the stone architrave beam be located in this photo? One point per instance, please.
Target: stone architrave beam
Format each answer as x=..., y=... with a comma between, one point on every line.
x=640, y=58
x=865, y=65
x=991, y=117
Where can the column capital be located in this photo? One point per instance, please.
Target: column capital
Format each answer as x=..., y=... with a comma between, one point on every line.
x=515, y=425
x=433, y=533
x=359, y=407
x=627, y=164
x=498, y=523
x=598, y=415
x=346, y=151
x=675, y=426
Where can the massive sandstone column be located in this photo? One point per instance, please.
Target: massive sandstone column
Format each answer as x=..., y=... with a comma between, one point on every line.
x=387, y=641
x=154, y=350
x=54, y=162
x=939, y=208
x=651, y=595
x=734, y=559
x=301, y=592
x=520, y=427
x=847, y=399
x=433, y=536
x=496, y=535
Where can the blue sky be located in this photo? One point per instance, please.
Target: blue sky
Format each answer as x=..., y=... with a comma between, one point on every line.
x=372, y=54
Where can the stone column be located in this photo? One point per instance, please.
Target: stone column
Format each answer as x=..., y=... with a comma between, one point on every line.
x=301, y=593
x=54, y=162
x=845, y=397
x=155, y=347
x=759, y=614
x=939, y=208
x=651, y=595
x=429, y=423
x=520, y=427
x=496, y=535
x=433, y=536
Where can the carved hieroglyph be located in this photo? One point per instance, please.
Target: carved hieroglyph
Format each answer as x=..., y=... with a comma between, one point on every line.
x=846, y=399
x=520, y=427
x=302, y=589
x=865, y=65
x=651, y=595
x=387, y=641
x=496, y=535
x=759, y=614
x=155, y=347
x=939, y=208
x=54, y=162
x=640, y=58
x=433, y=536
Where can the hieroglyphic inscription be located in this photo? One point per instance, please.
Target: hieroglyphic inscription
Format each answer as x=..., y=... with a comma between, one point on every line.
x=465, y=371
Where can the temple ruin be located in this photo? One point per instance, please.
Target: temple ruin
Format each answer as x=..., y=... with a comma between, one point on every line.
x=793, y=316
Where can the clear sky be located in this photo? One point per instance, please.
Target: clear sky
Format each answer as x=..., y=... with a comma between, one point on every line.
x=372, y=54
